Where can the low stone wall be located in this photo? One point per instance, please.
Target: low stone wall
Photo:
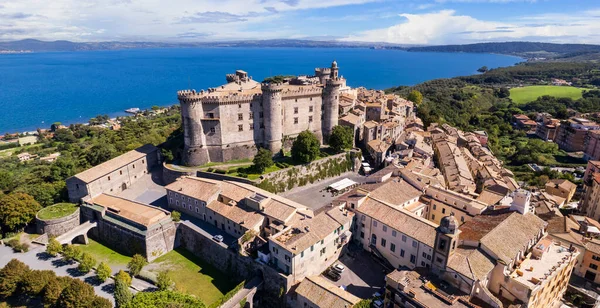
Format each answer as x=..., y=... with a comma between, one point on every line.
x=286, y=179
x=169, y=175
x=223, y=177
x=58, y=226
x=229, y=262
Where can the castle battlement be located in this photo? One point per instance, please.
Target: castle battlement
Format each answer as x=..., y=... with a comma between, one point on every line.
x=272, y=87
x=206, y=97
x=336, y=82
x=303, y=92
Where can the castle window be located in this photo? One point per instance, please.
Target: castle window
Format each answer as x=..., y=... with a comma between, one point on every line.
x=240, y=128
x=213, y=130
x=261, y=114
x=310, y=108
x=295, y=120
x=239, y=105
x=296, y=109
x=251, y=126
x=109, y=178
x=240, y=116
x=262, y=125
x=310, y=119
x=443, y=211
x=296, y=100
x=143, y=162
x=134, y=166
x=251, y=115
x=311, y=98
x=121, y=172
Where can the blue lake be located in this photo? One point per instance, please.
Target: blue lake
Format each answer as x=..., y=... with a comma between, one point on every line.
x=41, y=88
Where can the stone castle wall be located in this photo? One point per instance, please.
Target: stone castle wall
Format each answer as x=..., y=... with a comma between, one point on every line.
x=59, y=226
x=170, y=175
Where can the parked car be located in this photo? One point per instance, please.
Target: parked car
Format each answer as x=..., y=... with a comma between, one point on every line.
x=333, y=275
x=378, y=304
x=338, y=268
x=218, y=238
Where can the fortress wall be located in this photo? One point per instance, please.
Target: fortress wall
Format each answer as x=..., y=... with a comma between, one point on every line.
x=290, y=128
x=230, y=123
x=59, y=226
x=160, y=239
x=169, y=175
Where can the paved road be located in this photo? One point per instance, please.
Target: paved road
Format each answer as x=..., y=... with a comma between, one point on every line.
x=250, y=286
x=36, y=259
x=312, y=195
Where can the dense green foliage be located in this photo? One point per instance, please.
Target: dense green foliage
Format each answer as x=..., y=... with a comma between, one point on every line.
x=527, y=49
x=18, y=280
x=342, y=137
x=16, y=211
x=262, y=160
x=163, y=299
x=306, y=147
x=81, y=147
x=87, y=263
x=136, y=265
x=415, y=96
x=277, y=78
x=163, y=281
x=122, y=294
x=176, y=216
x=71, y=252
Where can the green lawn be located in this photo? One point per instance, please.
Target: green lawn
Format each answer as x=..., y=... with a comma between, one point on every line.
x=528, y=94
x=104, y=254
x=193, y=276
x=57, y=211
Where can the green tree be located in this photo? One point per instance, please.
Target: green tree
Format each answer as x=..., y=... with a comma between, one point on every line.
x=306, y=147
x=136, y=265
x=167, y=154
x=54, y=247
x=71, y=252
x=10, y=276
x=35, y=281
x=100, y=153
x=415, y=96
x=163, y=281
x=164, y=299
x=87, y=263
x=77, y=294
x=101, y=302
x=104, y=271
x=176, y=216
x=482, y=69
x=341, y=138
x=365, y=303
x=262, y=160
x=122, y=293
x=17, y=210
x=52, y=290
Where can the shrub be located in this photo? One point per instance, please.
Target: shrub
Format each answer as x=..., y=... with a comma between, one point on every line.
x=220, y=171
x=87, y=263
x=262, y=160
x=148, y=276
x=210, y=170
x=122, y=293
x=164, y=299
x=35, y=281
x=77, y=294
x=54, y=247
x=163, y=281
x=306, y=147
x=176, y=216
x=71, y=252
x=103, y=271
x=136, y=264
x=123, y=277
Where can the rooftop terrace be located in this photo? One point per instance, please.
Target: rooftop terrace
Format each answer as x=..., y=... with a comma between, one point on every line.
x=546, y=258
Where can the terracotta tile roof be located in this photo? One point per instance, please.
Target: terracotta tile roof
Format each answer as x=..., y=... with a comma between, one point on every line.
x=395, y=192
x=512, y=235
x=240, y=215
x=593, y=246
x=107, y=167
x=194, y=187
x=279, y=210
x=400, y=220
x=143, y=214
x=490, y=197
x=562, y=183
x=472, y=263
x=351, y=118
x=325, y=294
x=480, y=225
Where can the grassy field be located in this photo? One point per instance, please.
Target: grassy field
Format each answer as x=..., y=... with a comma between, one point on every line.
x=192, y=276
x=57, y=211
x=528, y=94
x=104, y=254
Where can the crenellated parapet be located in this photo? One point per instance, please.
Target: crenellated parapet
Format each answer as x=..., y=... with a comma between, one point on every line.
x=312, y=91
x=209, y=97
x=272, y=87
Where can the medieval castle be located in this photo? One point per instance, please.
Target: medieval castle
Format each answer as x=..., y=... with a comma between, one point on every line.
x=231, y=121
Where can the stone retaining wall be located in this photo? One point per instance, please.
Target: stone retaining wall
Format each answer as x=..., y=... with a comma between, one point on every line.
x=229, y=262
x=169, y=175
x=58, y=226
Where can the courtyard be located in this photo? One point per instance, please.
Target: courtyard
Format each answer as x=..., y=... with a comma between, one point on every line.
x=315, y=196
x=363, y=276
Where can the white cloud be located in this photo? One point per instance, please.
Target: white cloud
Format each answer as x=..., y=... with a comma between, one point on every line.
x=147, y=19
x=447, y=27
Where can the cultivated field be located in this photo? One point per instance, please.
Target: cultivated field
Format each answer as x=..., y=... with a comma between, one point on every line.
x=527, y=94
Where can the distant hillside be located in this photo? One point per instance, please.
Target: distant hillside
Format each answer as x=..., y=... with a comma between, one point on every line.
x=529, y=50
x=32, y=45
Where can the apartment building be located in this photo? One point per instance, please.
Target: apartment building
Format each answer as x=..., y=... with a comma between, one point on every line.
x=572, y=134
x=562, y=188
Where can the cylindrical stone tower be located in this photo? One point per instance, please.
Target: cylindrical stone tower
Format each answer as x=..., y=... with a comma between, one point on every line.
x=195, y=152
x=273, y=111
x=331, y=102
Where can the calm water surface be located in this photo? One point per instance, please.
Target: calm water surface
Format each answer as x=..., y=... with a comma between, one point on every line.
x=41, y=88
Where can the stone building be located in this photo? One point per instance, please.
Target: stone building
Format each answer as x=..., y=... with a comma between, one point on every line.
x=562, y=188
x=114, y=175
x=571, y=134
x=316, y=292
x=232, y=120
x=130, y=227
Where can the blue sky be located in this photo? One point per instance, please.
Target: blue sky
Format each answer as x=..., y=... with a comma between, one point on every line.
x=394, y=21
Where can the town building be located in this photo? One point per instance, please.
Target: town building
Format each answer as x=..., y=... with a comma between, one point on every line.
x=591, y=149
x=562, y=188
x=50, y=158
x=114, y=175
x=546, y=130
x=230, y=121
x=316, y=292
x=524, y=122
x=572, y=133
x=24, y=157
